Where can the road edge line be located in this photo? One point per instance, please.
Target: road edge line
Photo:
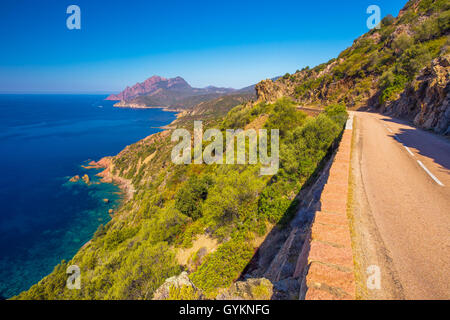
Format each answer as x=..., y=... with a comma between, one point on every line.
x=430, y=174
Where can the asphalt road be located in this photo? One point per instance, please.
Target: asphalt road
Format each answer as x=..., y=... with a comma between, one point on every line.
x=402, y=200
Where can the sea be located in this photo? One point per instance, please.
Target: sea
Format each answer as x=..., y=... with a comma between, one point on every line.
x=44, y=141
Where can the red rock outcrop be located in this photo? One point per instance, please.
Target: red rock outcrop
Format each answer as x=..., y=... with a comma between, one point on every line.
x=270, y=91
x=148, y=86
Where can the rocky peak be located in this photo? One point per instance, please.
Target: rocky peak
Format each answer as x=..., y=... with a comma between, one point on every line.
x=149, y=86
x=270, y=91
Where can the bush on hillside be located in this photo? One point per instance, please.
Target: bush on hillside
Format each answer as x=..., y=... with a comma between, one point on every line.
x=190, y=197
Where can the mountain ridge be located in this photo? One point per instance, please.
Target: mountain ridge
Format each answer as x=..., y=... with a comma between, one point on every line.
x=173, y=94
x=156, y=83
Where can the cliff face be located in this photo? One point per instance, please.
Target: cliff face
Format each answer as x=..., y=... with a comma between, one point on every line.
x=400, y=69
x=270, y=91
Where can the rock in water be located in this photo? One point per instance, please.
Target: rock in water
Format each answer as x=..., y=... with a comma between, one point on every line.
x=86, y=179
x=75, y=178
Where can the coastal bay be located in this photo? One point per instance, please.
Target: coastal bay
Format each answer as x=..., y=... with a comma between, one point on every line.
x=46, y=140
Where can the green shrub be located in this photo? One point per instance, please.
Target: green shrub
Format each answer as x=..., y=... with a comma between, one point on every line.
x=183, y=293
x=388, y=20
x=165, y=225
x=190, y=197
x=414, y=59
x=143, y=271
x=391, y=84
x=117, y=236
x=337, y=113
x=430, y=6
x=443, y=21
x=310, y=84
x=188, y=235
x=300, y=153
x=233, y=198
x=273, y=203
x=401, y=43
x=408, y=17
x=428, y=30
x=261, y=292
x=222, y=266
x=285, y=116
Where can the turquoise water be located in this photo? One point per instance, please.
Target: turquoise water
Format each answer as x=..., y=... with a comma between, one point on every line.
x=44, y=140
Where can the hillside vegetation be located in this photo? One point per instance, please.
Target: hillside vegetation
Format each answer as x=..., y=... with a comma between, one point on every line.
x=402, y=68
x=131, y=256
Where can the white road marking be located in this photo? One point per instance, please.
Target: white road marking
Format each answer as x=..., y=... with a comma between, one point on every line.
x=389, y=129
x=418, y=161
x=409, y=151
x=430, y=174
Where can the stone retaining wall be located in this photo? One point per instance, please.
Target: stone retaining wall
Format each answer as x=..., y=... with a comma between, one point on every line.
x=325, y=264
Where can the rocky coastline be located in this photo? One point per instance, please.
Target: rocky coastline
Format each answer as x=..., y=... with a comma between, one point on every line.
x=107, y=176
x=125, y=104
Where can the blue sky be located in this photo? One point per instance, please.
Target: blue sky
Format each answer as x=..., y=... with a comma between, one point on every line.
x=221, y=43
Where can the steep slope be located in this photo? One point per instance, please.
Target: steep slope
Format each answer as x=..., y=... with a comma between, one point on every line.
x=174, y=208
x=401, y=68
x=228, y=211
x=427, y=100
